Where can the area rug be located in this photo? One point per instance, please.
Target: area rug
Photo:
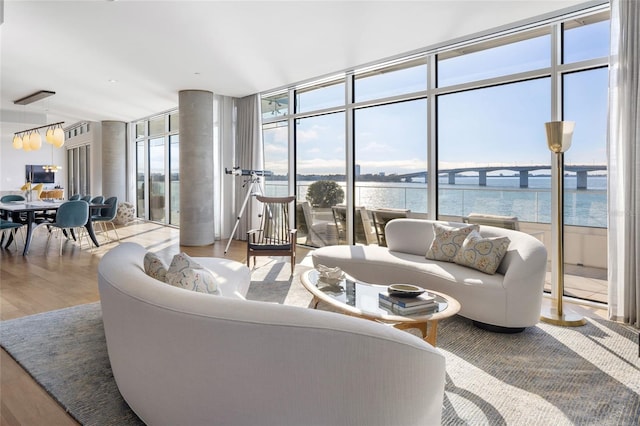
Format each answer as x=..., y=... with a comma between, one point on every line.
x=546, y=375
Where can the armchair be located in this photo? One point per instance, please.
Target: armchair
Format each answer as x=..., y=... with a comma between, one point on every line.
x=274, y=237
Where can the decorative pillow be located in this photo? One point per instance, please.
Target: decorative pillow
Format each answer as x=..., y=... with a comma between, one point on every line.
x=447, y=241
x=155, y=267
x=186, y=273
x=483, y=254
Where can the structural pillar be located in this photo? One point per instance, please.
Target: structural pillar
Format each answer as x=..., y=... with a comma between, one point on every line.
x=196, y=168
x=582, y=179
x=482, y=178
x=114, y=159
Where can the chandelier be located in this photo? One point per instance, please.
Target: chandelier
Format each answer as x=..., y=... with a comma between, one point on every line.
x=31, y=140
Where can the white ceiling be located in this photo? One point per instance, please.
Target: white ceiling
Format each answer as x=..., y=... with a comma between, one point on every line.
x=153, y=49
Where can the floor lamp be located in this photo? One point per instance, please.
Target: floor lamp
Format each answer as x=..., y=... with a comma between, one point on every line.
x=559, y=135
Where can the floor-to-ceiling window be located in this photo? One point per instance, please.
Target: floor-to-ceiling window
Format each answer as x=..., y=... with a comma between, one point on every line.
x=157, y=172
x=79, y=170
x=458, y=130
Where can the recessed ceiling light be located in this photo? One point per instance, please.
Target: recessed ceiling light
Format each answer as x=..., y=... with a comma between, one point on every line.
x=113, y=80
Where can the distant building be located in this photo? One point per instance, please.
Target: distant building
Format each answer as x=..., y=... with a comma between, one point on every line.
x=357, y=170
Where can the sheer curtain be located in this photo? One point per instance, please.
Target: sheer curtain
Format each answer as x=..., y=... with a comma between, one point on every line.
x=248, y=157
x=624, y=162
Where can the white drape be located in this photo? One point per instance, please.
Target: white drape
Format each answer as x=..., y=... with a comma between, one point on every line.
x=624, y=162
x=248, y=157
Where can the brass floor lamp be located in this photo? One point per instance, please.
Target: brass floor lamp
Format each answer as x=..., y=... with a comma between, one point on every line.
x=559, y=134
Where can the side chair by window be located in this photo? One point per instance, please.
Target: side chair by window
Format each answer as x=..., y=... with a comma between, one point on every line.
x=380, y=219
x=507, y=222
x=363, y=227
x=275, y=237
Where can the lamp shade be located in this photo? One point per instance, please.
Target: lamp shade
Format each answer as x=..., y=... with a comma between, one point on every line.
x=58, y=137
x=26, y=142
x=17, y=142
x=559, y=134
x=35, y=140
x=49, y=135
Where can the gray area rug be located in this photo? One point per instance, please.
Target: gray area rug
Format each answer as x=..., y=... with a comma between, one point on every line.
x=544, y=376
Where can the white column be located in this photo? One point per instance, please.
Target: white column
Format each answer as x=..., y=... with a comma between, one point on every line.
x=196, y=168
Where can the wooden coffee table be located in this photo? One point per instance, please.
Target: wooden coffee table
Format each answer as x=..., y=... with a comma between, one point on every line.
x=360, y=299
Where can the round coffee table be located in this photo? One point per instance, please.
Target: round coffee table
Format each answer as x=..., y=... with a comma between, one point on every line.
x=357, y=298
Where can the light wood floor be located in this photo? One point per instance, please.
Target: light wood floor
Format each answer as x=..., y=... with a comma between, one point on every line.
x=43, y=281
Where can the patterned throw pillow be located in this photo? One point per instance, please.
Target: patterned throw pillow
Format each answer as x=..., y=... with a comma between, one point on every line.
x=483, y=254
x=447, y=241
x=155, y=267
x=186, y=273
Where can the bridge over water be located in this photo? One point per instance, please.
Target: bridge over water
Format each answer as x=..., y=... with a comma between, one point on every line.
x=581, y=172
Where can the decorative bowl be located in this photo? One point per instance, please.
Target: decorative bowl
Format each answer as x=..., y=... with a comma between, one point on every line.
x=330, y=275
x=405, y=290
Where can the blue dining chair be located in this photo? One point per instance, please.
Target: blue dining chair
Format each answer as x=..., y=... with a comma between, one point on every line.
x=11, y=197
x=20, y=219
x=11, y=227
x=106, y=215
x=71, y=215
x=86, y=198
x=97, y=200
x=74, y=197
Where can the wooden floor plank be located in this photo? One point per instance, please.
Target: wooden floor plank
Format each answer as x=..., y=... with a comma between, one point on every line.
x=44, y=281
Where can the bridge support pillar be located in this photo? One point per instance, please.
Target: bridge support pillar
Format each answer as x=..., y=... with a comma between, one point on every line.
x=524, y=178
x=482, y=178
x=452, y=178
x=582, y=179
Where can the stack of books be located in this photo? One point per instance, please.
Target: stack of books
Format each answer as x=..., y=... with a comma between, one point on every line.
x=423, y=304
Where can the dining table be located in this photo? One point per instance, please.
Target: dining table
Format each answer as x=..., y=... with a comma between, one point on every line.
x=25, y=212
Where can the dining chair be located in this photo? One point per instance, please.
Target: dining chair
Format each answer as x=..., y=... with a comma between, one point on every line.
x=7, y=199
x=99, y=199
x=86, y=198
x=11, y=227
x=70, y=215
x=17, y=218
x=274, y=237
x=11, y=197
x=37, y=191
x=106, y=216
x=74, y=197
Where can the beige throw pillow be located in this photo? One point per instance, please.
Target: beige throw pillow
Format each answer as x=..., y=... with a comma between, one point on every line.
x=186, y=273
x=447, y=241
x=155, y=267
x=483, y=254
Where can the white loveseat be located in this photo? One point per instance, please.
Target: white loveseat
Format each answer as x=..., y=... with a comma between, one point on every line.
x=507, y=301
x=189, y=358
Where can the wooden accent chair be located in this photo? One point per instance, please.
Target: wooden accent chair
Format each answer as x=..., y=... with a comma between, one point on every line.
x=274, y=237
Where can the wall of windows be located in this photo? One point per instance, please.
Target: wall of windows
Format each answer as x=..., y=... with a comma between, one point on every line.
x=447, y=132
x=157, y=168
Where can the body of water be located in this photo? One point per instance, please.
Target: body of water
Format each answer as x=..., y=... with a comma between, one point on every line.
x=501, y=196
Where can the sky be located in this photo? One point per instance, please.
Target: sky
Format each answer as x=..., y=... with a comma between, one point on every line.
x=502, y=124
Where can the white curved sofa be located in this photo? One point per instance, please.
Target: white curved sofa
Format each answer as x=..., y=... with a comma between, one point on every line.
x=183, y=357
x=508, y=301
